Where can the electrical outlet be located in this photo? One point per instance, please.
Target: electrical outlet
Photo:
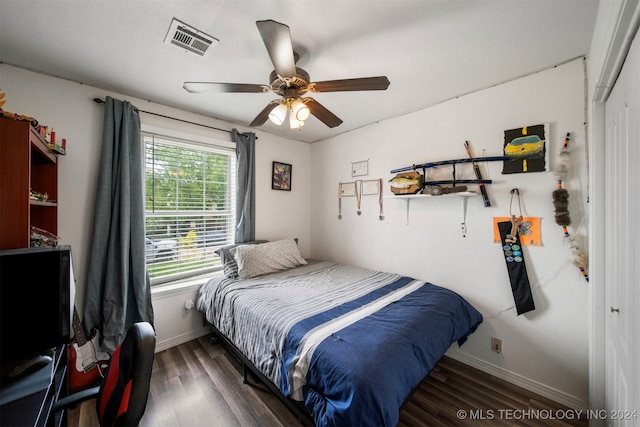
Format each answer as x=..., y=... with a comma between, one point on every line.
x=496, y=344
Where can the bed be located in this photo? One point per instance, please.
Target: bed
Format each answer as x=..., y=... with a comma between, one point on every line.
x=344, y=343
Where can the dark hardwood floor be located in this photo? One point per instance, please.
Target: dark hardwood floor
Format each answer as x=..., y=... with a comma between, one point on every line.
x=200, y=384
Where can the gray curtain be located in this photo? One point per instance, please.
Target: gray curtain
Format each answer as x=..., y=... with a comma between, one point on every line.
x=118, y=291
x=246, y=198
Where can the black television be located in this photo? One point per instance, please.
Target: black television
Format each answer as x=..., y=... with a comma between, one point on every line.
x=35, y=301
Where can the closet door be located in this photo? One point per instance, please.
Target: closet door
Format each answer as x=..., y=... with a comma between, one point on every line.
x=622, y=225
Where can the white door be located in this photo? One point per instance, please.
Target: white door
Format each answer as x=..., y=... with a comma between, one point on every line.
x=622, y=222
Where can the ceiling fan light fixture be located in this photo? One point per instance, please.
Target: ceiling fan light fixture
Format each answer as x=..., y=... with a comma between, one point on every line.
x=295, y=123
x=278, y=114
x=300, y=110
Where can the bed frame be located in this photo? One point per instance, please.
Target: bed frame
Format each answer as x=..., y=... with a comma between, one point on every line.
x=297, y=408
x=376, y=402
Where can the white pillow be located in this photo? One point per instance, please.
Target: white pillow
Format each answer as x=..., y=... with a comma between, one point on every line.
x=256, y=260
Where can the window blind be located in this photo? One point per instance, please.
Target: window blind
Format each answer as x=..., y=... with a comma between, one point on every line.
x=189, y=206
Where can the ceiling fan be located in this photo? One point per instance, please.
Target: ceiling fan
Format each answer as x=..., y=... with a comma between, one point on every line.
x=290, y=82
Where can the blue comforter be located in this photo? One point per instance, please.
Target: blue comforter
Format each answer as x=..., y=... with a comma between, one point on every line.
x=352, y=353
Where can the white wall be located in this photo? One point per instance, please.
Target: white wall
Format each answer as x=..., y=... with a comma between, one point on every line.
x=68, y=108
x=545, y=350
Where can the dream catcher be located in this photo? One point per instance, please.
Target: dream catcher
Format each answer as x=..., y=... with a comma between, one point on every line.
x=561, y=205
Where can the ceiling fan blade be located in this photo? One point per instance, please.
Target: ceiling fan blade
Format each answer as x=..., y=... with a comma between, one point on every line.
x=277, y=39
x=364, y=83
x=263, y=115
x=324, y=115
x=197, y=87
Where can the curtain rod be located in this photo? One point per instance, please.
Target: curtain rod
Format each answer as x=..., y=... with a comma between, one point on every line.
x=101, y=101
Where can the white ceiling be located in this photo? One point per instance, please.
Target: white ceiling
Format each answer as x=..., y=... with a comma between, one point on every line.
x=431, y=50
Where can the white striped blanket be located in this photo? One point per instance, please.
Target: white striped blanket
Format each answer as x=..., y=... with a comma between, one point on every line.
x=257, y=322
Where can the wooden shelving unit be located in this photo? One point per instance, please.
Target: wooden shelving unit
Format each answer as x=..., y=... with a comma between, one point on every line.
x=26, y=163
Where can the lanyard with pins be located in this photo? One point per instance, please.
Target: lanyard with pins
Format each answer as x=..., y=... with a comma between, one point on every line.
x=515, y=221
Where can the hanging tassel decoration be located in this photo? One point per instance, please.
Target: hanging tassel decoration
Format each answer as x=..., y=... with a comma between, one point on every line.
x=561, y=204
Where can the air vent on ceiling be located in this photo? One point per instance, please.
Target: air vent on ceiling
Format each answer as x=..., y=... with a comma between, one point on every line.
x=189, y=38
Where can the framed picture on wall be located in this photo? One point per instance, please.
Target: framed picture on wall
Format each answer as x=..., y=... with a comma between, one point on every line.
x=360, y=168
x=281, y=176
x=527, y=149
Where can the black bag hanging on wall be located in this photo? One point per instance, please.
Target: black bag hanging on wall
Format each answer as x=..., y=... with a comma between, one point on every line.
x=512, y=251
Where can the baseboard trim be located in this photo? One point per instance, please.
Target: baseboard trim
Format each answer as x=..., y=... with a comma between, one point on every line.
x=521, y=381
x=180, y=339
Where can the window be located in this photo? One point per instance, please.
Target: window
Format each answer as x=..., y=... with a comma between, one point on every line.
x=189, y=206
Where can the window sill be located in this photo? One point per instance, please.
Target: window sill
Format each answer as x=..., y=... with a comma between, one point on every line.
x=182, y=286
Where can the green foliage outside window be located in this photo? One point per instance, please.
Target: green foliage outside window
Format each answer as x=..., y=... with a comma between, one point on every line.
x=190, y=206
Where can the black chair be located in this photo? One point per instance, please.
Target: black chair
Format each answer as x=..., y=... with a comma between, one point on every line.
x=122, y=396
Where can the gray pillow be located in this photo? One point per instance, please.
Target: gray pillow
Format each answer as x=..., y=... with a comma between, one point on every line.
x=229, y=265
x=256, y=260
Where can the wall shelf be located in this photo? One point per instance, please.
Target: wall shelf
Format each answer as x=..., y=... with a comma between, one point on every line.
x=464, y=195
x=41, y=203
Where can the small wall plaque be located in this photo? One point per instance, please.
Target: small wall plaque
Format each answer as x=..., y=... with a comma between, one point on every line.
x=360, y=168
x=347, y=189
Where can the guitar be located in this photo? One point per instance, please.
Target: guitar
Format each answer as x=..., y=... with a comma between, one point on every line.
x=86, y=364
